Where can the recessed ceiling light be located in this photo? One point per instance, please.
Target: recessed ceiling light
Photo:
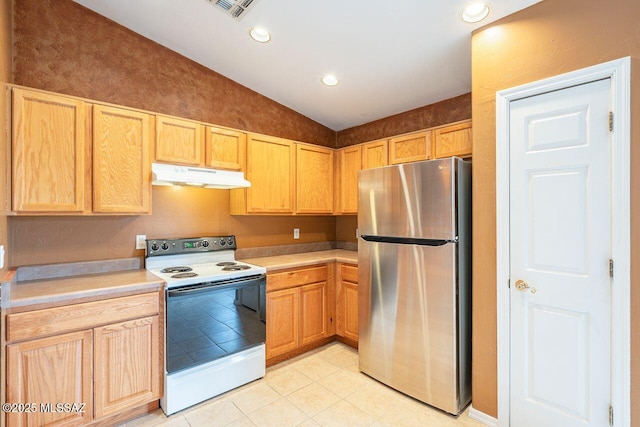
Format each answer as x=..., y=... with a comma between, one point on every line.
x=475, y=12
x=259, y=34
x=330, y=80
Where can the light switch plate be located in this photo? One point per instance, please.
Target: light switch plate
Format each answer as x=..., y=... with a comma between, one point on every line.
x=296, y=233
x=141, y=241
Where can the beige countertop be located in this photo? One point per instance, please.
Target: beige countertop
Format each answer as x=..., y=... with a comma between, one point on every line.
x=70, y=290
x=280, y=262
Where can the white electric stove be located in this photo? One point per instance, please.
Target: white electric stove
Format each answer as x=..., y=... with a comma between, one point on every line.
x=215, y=318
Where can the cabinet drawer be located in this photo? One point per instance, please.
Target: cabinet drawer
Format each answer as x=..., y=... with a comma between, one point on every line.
x=303, y=276
x=349, y=273
x=37, y=323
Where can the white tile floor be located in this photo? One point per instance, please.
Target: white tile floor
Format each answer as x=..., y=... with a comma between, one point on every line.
x=320, y=388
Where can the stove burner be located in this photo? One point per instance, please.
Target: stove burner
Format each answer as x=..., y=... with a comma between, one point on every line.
x=175, y=269
x=225, y=263
x=184, y=275
x=236, y=268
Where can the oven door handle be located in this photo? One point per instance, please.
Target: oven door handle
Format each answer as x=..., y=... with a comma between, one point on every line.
x=220, y=285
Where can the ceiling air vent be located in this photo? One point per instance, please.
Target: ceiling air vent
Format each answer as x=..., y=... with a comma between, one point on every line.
x=237, y=9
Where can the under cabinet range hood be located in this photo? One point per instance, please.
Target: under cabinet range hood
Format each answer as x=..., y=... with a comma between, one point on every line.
x=197, y=177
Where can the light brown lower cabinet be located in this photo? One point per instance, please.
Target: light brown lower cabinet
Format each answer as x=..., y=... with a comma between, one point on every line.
x=282, y=321
x=347, y=302
x=126, y=369
x=298, y=311
x=313, y=312
x=51, y=370
x=103, y=369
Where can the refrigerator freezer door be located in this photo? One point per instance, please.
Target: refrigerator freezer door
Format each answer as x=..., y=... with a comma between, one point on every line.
x=409, y=321
x=414, y=200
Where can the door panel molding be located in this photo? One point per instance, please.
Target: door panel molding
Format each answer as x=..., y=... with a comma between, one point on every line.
x=619, y=73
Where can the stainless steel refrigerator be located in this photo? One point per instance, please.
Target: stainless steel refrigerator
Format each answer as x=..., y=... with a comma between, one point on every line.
x=414, y=262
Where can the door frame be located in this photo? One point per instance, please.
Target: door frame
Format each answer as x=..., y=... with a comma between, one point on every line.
x=619, y=71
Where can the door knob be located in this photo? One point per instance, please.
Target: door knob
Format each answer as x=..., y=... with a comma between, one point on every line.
x=523, y=286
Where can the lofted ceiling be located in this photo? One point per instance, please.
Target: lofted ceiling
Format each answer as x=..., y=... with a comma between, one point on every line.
x=390, y=55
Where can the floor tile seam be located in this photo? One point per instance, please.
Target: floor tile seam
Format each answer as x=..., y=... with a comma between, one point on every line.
x=370, y=416
x=314, y=415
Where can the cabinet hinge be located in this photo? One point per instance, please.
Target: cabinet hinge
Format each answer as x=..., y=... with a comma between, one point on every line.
x=509, y=283
x=610, y=268
x=611, y=415
x=610, y=121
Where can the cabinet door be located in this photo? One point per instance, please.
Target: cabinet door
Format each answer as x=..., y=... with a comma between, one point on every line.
x=282, y=321
x=375, y=154
x=313, y=312
x=349, y=163
x=454, y=140
x=314, y=179
x=347, y=302
x=271, y=169
x=410, y=148
x=127, y=365
x=178, y=141
x=225, y=148
x=48, y=143
x=51, y=370
x=121, y=176
x=349, y=313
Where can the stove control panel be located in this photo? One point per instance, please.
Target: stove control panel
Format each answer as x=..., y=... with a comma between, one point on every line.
x=156, y=247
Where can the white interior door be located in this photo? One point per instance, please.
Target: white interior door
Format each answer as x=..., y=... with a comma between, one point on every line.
x=560, y=247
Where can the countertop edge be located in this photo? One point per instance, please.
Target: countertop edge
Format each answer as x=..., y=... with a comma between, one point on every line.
x=283, y=262
x=57, y=292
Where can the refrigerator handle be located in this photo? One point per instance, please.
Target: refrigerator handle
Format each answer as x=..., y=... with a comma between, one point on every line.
x=407, y=240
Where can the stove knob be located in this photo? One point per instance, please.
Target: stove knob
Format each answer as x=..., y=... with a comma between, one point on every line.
x=230, y=240
x=165, y=246
x=154, y=246
x=205, y=243
x=222, y=242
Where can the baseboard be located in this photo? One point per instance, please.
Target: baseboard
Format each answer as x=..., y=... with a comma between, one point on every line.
x=482, y=417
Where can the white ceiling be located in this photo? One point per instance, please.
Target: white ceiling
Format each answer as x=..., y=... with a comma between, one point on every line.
x=390, y=55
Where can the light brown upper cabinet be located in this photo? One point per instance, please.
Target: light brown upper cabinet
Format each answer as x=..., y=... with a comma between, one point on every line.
x=179, y=141
x=454, y=140
x=375, y=154
x=314, y=179
x=348, y=163
x=121, y=166
x=410, y=148
x=271, y=169
x=48, y=149
x=225, y=148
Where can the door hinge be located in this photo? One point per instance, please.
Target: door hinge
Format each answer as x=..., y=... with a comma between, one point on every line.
x=610, y=121
x=610, y=268
x=611, y=415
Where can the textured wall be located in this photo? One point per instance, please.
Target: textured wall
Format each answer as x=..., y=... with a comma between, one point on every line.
x=5, y=77
x=177, y=212
x=64, y=47
x=440, y=113
x=549, y=38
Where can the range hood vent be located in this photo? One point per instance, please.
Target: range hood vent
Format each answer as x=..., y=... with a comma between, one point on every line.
x=197, y=177
x=237, y=9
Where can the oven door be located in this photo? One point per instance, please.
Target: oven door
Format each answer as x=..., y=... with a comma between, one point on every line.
x=212, y=320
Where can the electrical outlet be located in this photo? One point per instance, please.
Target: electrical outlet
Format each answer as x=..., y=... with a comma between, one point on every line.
x=141, y=241
x=296, y=233
x=1, y=256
